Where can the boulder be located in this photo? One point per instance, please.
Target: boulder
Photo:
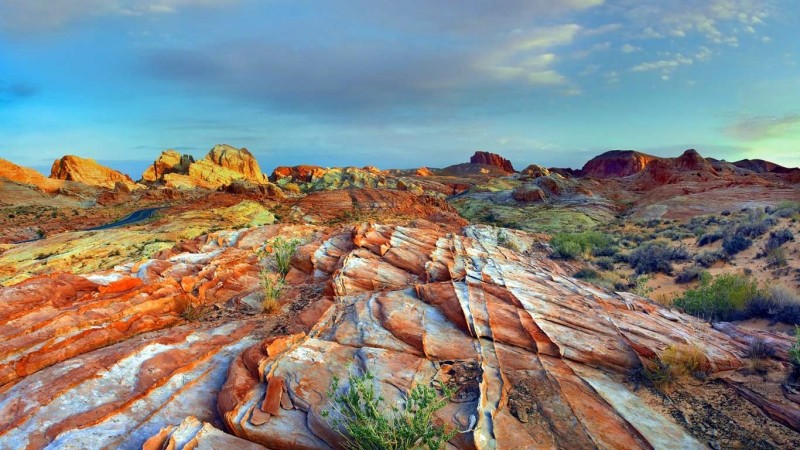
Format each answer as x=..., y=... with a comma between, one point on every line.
x=528, y=193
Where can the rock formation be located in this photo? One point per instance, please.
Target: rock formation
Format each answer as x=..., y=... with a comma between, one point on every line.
x=24, y=175
x=169, y=161
x=236, y=160
x=616, y=164
x=88, y=171
x=492, y=159
x=222, y=166
x=534, y=171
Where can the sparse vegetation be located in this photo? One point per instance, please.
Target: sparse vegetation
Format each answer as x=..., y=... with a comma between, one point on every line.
x=777, y=303
x=735, y=243
x=605, y=263
x=709, y=238
x=724, y=297
x=582, y=245
x=689, y=274
x=758, y=352
x=794, y=352
x=283, y=250
x=778, y=238
x=193, y=313
x=656, y=257
x=272, y=285
x=777, y=257
x=686, y=360
x=366, y=423
x=709, y=258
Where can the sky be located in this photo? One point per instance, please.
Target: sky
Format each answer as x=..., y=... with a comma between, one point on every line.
x=398, y=84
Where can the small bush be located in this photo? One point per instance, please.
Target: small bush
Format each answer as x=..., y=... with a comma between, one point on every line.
x=193, y=313
x=656, y=257
x=754, y=229
x=794, y=351
x=759, y=349
x=709, y=258
x=659, y=374
x=283, y=250
x=689, y=274
x=777, y=257
x=686, y=360
x=758, y=352
x=605, y=263
x=777, y=303
x=785, y=210
x=272, y=286
x=726, y=212
x=576, y=245
x=365, y=423
x=709, y=238
x=724, y=297
x=735, y=243
x=586, y=274
x=778, y=238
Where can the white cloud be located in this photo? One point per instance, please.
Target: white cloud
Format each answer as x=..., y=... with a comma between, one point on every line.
x=665, y=65
x=528, y=55
x=628, y=48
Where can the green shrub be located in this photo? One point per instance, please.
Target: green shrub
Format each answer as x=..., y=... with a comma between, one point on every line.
x=689, y=274
x=605, y=263
x=777, y=257
x=787, y=209
x=735, y=243
x=656, y=257
x=709, y=238
x=577, y=245
x=283, y=250
x=365, y=423
x=708, y=258
x=586, y=274
x=777, y=303
x=724, y=297
x=794, y=351
x=778, y=238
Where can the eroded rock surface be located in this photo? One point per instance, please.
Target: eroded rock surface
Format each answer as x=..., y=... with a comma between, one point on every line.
x=537, y=358
x=542, y=359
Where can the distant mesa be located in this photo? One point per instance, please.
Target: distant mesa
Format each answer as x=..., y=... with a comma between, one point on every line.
x=88, y=171
x=492, y=159
x=617, y=164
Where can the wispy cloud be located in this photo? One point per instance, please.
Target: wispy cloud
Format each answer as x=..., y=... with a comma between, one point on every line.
x=758, y=128
x=31, y=16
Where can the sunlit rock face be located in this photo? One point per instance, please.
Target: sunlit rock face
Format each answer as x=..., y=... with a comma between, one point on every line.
x=88, y=171
x=222, y=166
x=617, y=163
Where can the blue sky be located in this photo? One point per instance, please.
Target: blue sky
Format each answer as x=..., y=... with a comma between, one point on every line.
x=398, y=84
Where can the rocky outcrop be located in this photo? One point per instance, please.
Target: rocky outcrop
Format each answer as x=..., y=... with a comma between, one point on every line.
x=616, y=164
x=88, y=171
x=491, y=159
x=221, y=167
x=297, y=174
x=169, y=161
x=236, y=160
x=27, y=176
x=691, y=160
x=534, y=171
x=528, y=193
x=194, y=434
